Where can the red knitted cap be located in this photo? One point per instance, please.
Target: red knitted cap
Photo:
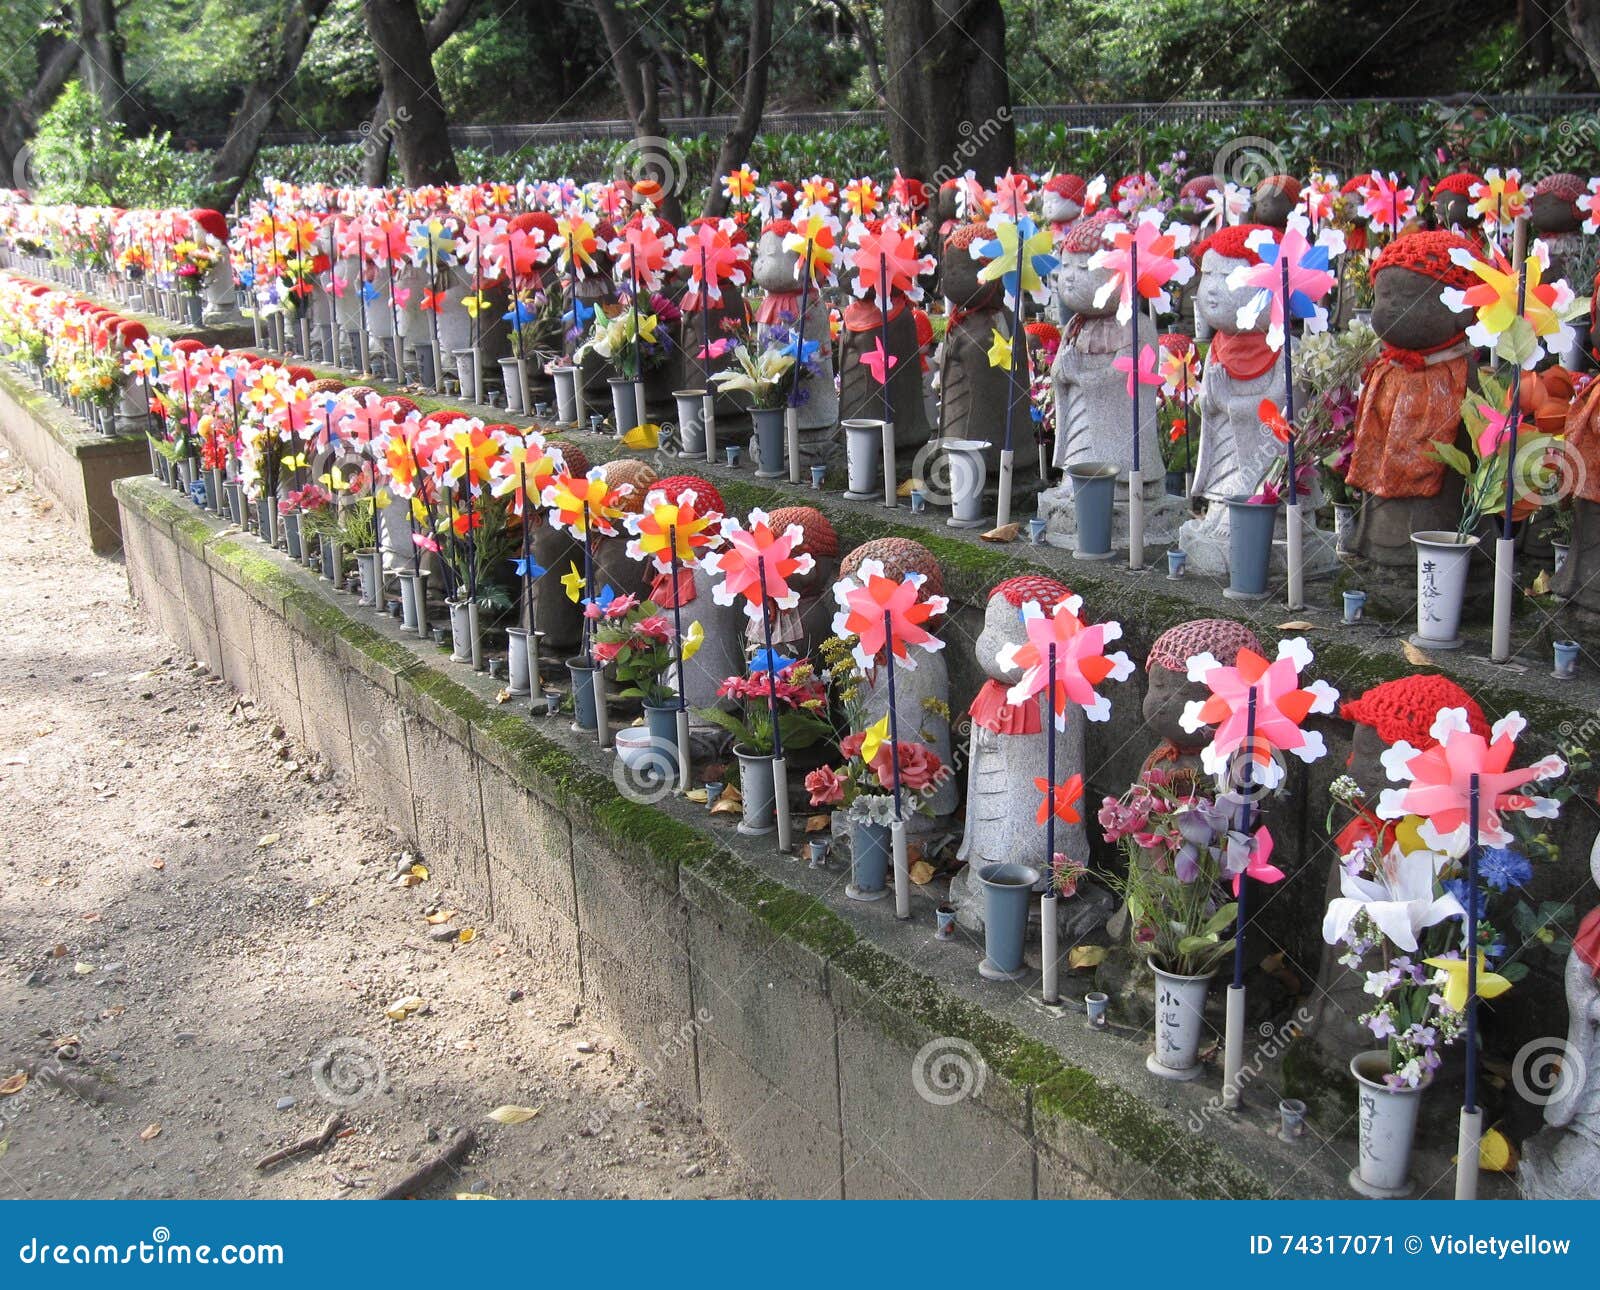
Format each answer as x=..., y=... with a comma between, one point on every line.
x=213, y=223
x=188, y=345
x=1286, y=184
x=1090, y=234
x=1071, y=187
x=400, y=405
x=1462, y=182
x=1223, y=637
x=1199, y=186
x=1229, y=242
x=706, y=497
x=1428, y=253
x=1561, y=184
x=962, y=236
x=1175, y=342
x=444, y=416
x=1047, y=334
x=1405, y=708
x=1031, y=586
x=820, y=538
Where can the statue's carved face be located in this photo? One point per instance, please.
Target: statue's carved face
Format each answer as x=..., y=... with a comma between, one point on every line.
x=1002, y=626
x=1453, y=210
x=1552, y=213
x=1272, y=207
x=776, y=269
x=1217, y=302
x=959, y=280
x=1165, y=696
x=1078, y=284
x=1366, y=747
x=1057, y=209
x=1408, y=310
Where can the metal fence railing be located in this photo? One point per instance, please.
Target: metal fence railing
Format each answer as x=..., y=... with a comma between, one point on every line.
x=510, y=137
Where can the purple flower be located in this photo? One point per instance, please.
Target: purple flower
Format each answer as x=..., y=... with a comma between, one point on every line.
x=1381, y=1024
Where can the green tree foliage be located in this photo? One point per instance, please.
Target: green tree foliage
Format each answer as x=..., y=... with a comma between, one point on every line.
x=77, y=157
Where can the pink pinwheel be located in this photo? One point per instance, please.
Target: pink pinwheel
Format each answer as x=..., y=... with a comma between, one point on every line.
x=756, y=565
x=1440, y=782
x=521, y=253
x=641, y=252
x=483, y=242
x=1011, y=193
x=867, y=599
x=1148, y=373
x=1281, y=705
x=886, y=262
x=878, y=362
x=707, y=252
x=1158, y=263
x=1293, y=294
x=1384, y=204
x=1225, y=203
x=1081, y=660
x=1317, y=198
x=1589, y=208
x=1258, y=866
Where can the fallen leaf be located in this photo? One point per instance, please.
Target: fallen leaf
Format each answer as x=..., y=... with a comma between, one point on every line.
x=1005, y=533
x=151, y=1133
x=460, y=1195
x=818, y=823
x=1085, y=956
x=402, y=1008
x=505, y=696
x=729, y=802
x=15, y=1084
x=421, y=870
x=5, y=1144
x=440, y=916
x=922, y=873
x=93, y=916
x=158, y=864
x=1297, y=625
x=514, y=1114
x=408, y=879
x=467, y=936
x=313, y=901
x=1541, y=584
x=83, y=969
x=58, y=952
x=695, y=795
x=267, y=839
x=1496, y=1153
x=1413, y=655
x=908, y=487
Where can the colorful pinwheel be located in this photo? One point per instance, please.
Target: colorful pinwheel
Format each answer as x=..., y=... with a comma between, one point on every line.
x=1142, y=260
x=756, y=564
x=739, y=186
x=582, y=504
x=1081, y=661
x=886, y=263
x=1147, y=372
x=707, y=253
x=1385, y=205
x=815, y=240
x=1293, y=276
x=885, y=614
x=666, y=531
x=1019, y=256
x=1498, y=199
x=1547, y=306
x=1438, y=782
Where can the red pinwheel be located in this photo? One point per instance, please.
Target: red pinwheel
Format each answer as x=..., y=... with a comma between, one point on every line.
x=1384, y=204
x=1157, y=264
x=641, y=252
x=886, y=263
x=1438, y=782
x=1272, y=417
x=1281, y=705
x=885, y=614
x=1059, y=799
x=1081, y=661
x=756, y=565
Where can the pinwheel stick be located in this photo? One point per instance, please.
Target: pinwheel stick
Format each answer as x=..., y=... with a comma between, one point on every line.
x=1047, y=906
x=1471, y=1126
x=1233, y=1039
x=396, y=341
x=1505, y=548
x=677, y=636
x=708, y=407
x=577, y=364
x=780, y=769
x=1136, y=475
x=1007, y=450
x=791, y=419
x=897, y=830
x=433, y=320
x=638, y=350
x=1295, y=532
x=890, y=499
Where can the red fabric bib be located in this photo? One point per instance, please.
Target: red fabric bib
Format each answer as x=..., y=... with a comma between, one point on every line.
x=991, y=711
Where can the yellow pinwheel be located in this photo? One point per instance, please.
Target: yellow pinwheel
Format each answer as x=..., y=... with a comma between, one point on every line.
x=1491, y=985
x=1019, y=256
x=874, y=737
x=1000, y=350
x=572, y=580
x=692, y=640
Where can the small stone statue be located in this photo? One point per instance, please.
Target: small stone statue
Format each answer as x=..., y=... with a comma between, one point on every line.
x=1175, y=761
x=1452, y=205
x=1061, y=202
x=632, y=478
x=1556, y=220
x=686, y=369
x=1575, y=581
x=221, y=304
x=1007, y=752
x=1274, y=200
x=797, y=632
x=1387, y=713
x=778, y=272
x=560, y=617
x=974, y=390
x=922, y=694
x=1411, y=398
x=1562, y=1161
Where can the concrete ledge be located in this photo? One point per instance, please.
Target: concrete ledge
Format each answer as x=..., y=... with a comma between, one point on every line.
x=806, y=1029
x=71, y=463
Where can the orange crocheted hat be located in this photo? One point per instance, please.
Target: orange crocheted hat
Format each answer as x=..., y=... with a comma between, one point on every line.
x=1090, y=234
x=1230, y=242
x=1428, y=253
x=1405, y=708
x=1462, y=181
x=820, y=538
x=1223, y=637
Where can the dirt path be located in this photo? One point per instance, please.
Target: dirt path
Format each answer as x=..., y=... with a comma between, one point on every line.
x=200, y=936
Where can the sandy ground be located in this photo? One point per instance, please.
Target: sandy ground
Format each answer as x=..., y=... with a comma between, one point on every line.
x=201, y=934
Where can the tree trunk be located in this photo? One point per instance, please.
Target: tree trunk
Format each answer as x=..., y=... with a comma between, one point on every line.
x=651, y=158
x=405, y=65
x=380, y=131
x=57, y=58
x=948, y=92
x=1583, y=17
x=101, y=68
x=861, y=28
x=234, y=160
x=736, y=146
